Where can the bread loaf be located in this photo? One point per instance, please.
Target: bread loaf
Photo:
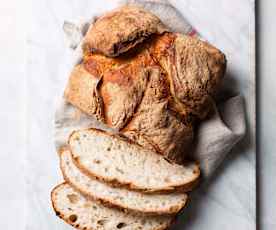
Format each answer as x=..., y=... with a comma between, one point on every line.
x=155, y=91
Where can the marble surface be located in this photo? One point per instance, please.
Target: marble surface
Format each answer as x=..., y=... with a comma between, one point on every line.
x=266, y=85
x=12, y=114
x=231, y=193
x=229, y=197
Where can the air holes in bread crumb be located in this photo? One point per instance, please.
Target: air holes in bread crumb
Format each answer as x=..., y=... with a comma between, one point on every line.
x=121, y=225
x=101, y=222
x=73, y=218
x=96, y=161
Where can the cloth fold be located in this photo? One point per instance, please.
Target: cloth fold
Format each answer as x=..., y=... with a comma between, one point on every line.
x=214, y=138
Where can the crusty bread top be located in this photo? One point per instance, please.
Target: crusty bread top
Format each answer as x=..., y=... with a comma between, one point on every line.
x=153, y=93
x=120, y=197
x=115, y=160
x=121, y=29
x=195, y=70
x=85, y=214
x=157, y=122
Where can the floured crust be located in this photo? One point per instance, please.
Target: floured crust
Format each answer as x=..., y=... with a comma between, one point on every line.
x=156, y=122
x=195, y=70
x=122, y=90
x=82, y=92
x=120, y=30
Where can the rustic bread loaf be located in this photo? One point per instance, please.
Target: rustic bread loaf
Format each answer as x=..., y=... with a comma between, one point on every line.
x=154, y=92
x=121, y=29
x=119, y=162
x=85, y=214
x=119, y=197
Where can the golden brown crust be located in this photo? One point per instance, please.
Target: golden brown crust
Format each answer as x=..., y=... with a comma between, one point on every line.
x=157, y=123
x=195, y=70
x=157, y=112
x=188, y=186
x=122, y=91
x=123, y=82
x=82, y=92
x=121, y=29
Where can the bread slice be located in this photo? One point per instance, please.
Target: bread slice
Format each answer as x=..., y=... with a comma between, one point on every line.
x=112, y=159
x=119, y=197
x=86, y=214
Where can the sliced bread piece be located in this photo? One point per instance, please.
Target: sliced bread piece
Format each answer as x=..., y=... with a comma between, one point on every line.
x=120, y=162
x=83, y=213
x=119, y=197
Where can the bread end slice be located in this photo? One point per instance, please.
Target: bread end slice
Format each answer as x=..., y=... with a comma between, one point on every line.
x=85, y=214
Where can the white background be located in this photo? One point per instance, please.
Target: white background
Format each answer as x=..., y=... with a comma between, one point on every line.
x=13, y=29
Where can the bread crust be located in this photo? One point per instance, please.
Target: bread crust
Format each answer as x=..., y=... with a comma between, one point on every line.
x=66, y=220
x=195, y=70
x=117, y=183
x=120, y=30
x=157, y=122
x=82, y=92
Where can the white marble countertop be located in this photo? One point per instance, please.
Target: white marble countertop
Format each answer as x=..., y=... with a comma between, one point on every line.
x=13, y=20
